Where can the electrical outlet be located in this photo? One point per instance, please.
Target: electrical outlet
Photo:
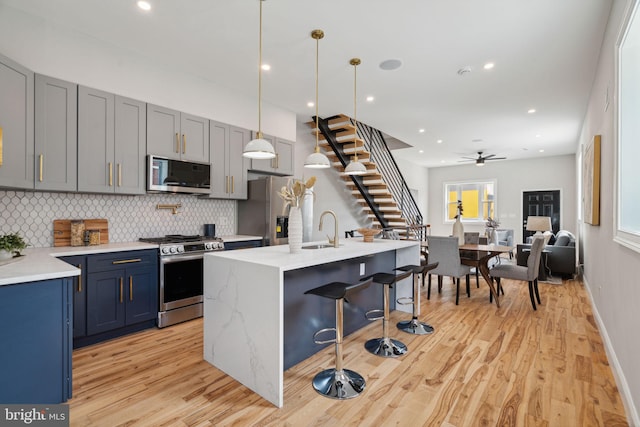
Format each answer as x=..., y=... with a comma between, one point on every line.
x=362, y=268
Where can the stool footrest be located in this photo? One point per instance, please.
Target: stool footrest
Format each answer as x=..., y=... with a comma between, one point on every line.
x=322, y=331
x=375, y=314
x=405, y=301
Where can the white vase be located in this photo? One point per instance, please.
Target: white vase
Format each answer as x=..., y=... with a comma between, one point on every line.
x=295, y=230
x=5, y=255
x=458, y=231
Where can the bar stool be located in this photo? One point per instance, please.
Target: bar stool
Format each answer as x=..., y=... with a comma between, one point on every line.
x=337, y=383
x=414, y=326
x=385, y=346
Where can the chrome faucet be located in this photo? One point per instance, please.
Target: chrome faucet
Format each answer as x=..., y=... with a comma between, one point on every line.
x=333, y=241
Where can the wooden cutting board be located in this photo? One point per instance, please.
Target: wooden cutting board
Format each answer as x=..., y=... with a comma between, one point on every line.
x=62, y=230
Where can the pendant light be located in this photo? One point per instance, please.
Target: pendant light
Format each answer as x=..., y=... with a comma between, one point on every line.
x=259, y=148
x=317, y=160
x=355, y=167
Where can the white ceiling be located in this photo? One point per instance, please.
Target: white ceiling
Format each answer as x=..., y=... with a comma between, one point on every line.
x=545, y=53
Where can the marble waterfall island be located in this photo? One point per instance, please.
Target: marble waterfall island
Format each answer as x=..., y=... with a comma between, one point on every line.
x=257, y=320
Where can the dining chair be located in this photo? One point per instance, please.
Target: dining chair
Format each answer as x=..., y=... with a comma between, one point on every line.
x=471, y=258
x=528, y=273
x=445, y=252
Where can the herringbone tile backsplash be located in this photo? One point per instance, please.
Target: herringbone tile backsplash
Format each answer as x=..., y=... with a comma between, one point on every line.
x=130, y=217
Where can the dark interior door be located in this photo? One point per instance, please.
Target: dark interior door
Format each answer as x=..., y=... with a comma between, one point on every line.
x=540, y=203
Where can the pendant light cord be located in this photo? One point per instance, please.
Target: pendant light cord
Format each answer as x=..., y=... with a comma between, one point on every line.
x=355, y=62
x=260, y=78
x=317, y=149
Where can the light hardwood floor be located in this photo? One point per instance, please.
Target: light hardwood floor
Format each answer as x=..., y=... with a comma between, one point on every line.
x=482, y=366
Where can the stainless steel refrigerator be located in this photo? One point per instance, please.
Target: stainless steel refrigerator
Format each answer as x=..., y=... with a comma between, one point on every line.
x=263, y=213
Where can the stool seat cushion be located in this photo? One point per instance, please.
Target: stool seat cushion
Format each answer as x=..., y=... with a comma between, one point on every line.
x=418, y=269
x=387, y=278
x=337, y=290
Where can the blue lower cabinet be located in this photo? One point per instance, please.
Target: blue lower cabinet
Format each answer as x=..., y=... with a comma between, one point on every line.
x=36, y=337
x=119, y=295
x=243, y=244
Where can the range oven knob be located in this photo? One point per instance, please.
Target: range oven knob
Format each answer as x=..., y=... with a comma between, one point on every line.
x=165, y=250
x=180, y=249
x=174, y=249
x=208, y=246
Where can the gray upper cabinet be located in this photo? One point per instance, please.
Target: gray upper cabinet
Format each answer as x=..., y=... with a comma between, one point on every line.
x=56, y=142
x=16, y=125
x=228, y=166
x=130, y=145
x=111, y=143
x=282, y=164
x=177, y=135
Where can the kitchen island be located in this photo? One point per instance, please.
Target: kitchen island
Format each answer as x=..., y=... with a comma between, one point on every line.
x=257, y=320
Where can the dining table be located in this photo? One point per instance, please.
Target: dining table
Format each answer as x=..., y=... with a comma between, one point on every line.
x=486, y=252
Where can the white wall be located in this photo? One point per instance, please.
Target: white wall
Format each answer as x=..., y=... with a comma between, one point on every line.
x=59, y=52
x=610, y=269
x=513, y=178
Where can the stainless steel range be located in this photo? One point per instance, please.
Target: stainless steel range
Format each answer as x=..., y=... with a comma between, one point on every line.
x=181, y=275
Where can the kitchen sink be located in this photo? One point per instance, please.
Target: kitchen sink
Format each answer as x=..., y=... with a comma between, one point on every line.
x=318, y=246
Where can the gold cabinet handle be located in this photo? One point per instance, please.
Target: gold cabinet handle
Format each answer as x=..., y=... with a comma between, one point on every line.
x=119, y=175
x=233, y=185
x=41, y=165
x=80, y=278
x=110, y=174
x=227, y=188
x=121, y=290
x=277, y=161
x=130, y=288
x=184, y=143
x=177, y=143
x=126, y=261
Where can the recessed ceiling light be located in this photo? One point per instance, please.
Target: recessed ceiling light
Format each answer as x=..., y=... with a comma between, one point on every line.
x=370, y=98
x=390, y=64
x=144, y=5
x=538, y=136
x=541, y=150
x=442, y=161
x=420, y=151
x=489, y=65
x=266, y=67
x=421, y=130
x=310, y=104
x=531, y=110
x=439, y=141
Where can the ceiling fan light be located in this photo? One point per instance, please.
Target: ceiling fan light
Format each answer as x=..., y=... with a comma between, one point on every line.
x=355, y=168
x=259, y=149
x=480, y=162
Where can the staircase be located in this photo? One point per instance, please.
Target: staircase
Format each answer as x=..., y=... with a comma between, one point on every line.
x=382, y=191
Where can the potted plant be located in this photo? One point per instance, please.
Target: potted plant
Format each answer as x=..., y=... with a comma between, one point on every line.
x=11, y=245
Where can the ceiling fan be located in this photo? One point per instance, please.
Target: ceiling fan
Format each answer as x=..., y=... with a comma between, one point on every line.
x=480, y=159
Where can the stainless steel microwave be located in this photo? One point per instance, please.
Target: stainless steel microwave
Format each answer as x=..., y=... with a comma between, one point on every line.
x=177, y=176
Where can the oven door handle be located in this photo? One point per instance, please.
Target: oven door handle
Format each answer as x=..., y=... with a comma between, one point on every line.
x=178, y=258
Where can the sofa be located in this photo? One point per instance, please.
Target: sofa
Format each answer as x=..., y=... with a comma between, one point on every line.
x=561, y=254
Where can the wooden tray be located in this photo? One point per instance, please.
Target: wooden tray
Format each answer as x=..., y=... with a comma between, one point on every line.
x=62, y=230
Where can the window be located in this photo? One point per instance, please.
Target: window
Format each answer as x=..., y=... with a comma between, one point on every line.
x=627, y=215
x=478, y=200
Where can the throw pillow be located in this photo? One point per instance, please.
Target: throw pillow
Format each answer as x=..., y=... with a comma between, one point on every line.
x=562, y=240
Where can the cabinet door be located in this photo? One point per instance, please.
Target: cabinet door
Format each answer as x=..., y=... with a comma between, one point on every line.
x=79, y=290
x=106, y=296
x=56, y=142
x=284, y=157
x=35, y=361
x=130, y=145
x=163, y=132
x=218, y=143
x=263, y=165
x=237, y=164
x=16, y=125
x=194, y=144
x=96, y=169
x=141, y=294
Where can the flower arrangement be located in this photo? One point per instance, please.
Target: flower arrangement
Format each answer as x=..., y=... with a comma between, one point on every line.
x=459, y=214
x=293, y=192
x=492, y=223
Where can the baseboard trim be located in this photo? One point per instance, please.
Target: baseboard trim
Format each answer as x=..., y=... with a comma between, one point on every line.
x=627, y=399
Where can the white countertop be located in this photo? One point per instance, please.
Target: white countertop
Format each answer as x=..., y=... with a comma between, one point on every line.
x=239, y=238
x=42, y=263
x=280, y=257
